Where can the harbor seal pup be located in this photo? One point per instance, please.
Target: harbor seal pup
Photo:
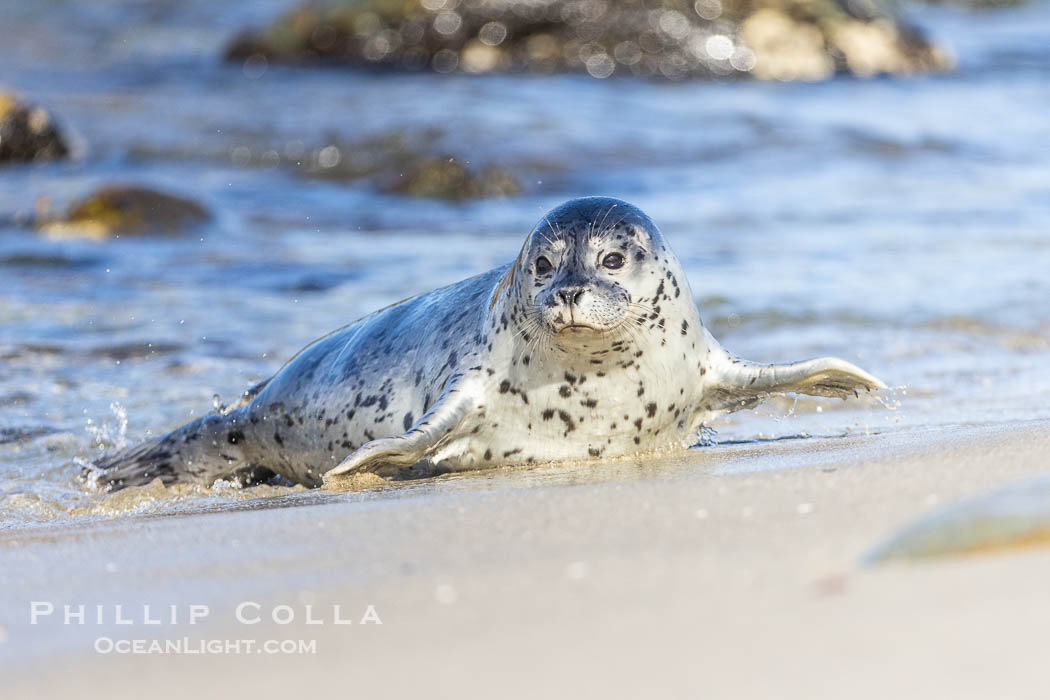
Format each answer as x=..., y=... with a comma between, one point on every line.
x=588, y=345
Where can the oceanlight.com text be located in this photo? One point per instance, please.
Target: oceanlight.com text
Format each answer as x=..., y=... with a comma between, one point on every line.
x=212, y=647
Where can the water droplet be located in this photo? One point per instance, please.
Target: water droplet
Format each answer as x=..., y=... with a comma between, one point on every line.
x=255, y=66
x=493, y=33
x=600, y=65
x=576, y=570
x=719, y=47
x=329, y=157
x=445, y=594
x=447, y=23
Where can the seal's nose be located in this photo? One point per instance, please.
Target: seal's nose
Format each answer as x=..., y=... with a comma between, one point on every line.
x=570, y=296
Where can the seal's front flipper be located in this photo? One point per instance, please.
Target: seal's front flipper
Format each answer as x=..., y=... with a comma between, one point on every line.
x=737, y=384
x=431, y=432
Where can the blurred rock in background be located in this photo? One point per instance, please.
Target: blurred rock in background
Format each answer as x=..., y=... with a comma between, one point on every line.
x=28, y=132
x=447, y=177
x=670, y=39
x=116, y=210
x=410, y=162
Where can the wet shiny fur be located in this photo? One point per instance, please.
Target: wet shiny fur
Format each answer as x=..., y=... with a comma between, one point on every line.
x=588, y=345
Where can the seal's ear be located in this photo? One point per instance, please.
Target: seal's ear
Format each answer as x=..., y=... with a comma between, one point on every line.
x=732, y=384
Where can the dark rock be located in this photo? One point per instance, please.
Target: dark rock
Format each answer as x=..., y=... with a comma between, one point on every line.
x=410, y=163
x=24, y=434
x=448, y=178
x=673, y=39
x=136, y=350
x=28, y=133
x=125, y=210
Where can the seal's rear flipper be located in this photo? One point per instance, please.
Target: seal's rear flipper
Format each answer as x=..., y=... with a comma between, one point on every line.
x=201, y=451
x=737, y=384
x=136, y=466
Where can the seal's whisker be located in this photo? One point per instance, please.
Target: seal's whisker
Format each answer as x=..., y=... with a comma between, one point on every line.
x=533, y=345
x=612, y=227
x=590, y=234
x=532, y=330
x=631, y=332
x=526, y=327
x=643, y=309
x=558, y=230
x=547, y=238
x=602, y=231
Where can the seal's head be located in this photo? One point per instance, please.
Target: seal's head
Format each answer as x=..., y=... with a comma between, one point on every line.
x=586, y=266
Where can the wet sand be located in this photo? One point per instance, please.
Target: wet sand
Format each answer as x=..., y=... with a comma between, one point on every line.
x=735, y=571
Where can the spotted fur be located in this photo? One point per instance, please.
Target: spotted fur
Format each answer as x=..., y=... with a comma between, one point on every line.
x=564, y=354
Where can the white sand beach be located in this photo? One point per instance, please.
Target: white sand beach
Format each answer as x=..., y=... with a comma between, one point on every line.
x=736, y=571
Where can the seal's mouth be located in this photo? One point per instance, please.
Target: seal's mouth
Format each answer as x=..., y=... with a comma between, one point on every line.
x=577, y=327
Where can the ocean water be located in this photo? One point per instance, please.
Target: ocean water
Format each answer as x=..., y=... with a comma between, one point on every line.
x=901, y=224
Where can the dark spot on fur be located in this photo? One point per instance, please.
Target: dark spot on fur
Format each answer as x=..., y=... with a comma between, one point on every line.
x=570, y=425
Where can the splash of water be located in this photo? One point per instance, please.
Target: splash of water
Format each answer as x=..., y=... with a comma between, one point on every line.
x=110, y=433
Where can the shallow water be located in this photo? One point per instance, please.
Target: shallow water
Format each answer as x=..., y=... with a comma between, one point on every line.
x=901, y=224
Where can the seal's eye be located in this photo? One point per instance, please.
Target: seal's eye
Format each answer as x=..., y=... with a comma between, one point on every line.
x=543, y=265
x=613, y=261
